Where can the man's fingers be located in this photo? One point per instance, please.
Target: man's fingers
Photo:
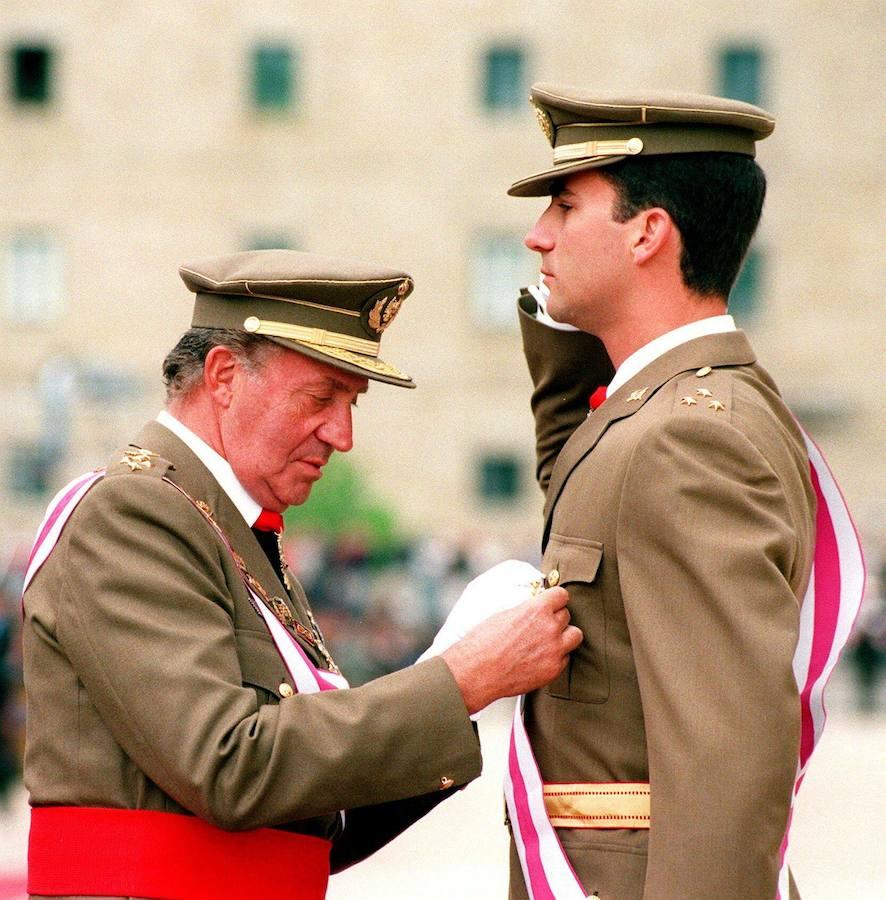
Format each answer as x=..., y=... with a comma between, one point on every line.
x=561, y=616
x=572, y=637
x=554, y=598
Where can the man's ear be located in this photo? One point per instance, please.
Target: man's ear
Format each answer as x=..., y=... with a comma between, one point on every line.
x=220, y=370
x=655, y=230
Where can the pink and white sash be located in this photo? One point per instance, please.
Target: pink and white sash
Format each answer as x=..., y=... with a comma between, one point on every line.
x=307, y=677
x=830, y=607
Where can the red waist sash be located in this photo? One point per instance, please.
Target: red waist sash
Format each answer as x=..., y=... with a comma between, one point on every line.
x=143, y=853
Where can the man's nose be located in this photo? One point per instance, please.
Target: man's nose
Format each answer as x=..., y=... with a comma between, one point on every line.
x=538, y=238
x=338, y=429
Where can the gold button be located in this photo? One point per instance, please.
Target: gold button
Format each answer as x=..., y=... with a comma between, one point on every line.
x=704, y=370
x=446, y=782
x=285, y=690
x=553, y=578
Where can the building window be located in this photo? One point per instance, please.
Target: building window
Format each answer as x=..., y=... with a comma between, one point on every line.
x=501, y=265
x=31, y=73
x=741, y=73
x=270, y=240
x=498, y=477
x=33, y=280
x=273, y=76
x=29, y=470
x=745, y=294
x=505, y=78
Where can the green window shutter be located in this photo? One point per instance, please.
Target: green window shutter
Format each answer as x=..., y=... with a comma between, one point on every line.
x=505, y=78
x=741, y=73
x=31, y=73
x=273, y=76
x=498, y=477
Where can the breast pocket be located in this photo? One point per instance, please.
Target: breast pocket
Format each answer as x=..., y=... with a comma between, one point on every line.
x=577, y=563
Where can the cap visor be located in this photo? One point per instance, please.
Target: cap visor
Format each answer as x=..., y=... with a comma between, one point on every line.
x=539, y=185
x=356, y=363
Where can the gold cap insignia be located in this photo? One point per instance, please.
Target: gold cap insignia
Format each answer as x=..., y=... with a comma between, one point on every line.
x=382, y=314
x=544, y=121
x=138, y=459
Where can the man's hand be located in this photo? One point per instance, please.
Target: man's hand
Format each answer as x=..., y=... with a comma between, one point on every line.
x=515, y=651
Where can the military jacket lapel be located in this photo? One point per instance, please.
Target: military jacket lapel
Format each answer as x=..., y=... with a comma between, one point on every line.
x=729, y=349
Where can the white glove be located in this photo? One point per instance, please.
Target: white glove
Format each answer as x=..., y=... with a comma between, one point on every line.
x=502, y=587
x=541, y=292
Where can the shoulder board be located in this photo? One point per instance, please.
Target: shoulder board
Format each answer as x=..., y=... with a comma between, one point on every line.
x=134, y=460
x=707, y=392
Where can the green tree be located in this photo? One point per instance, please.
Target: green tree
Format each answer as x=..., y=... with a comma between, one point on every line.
x=340, y=503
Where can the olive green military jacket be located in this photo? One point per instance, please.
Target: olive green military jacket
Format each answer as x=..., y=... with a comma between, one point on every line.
x=152, y=683
x=680, y=516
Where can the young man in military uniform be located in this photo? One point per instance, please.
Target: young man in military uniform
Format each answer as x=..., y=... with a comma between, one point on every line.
x=679, y=513
x=185, y=737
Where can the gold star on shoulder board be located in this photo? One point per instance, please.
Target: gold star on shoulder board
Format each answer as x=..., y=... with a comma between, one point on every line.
x=137, y=459
x=704, y=392
x=688, y=401
x=716, y=405
x=637, y=395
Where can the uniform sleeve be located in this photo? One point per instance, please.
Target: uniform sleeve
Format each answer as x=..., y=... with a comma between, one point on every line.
x=705, y=540
x=566, y=367
x=145, y=619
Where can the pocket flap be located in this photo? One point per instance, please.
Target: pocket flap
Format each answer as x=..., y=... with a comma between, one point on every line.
x=573, y=559
x=260, y=663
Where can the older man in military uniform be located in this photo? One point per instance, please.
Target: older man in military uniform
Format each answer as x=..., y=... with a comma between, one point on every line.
x=185, y=734
x=679, y=514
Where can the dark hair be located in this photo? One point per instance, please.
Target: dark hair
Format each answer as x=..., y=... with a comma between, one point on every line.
x=183, y=366
x=715, y=200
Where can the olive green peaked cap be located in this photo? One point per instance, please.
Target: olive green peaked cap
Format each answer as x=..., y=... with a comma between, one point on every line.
x=589, y=129
x=333, y=310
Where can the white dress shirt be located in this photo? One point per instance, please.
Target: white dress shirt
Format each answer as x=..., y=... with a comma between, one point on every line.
x=650, y=352
x=219, y=467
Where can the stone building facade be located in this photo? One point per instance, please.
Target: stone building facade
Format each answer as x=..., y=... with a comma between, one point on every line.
x=137, y=136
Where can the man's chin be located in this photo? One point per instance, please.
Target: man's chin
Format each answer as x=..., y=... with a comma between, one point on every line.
x=298, y=495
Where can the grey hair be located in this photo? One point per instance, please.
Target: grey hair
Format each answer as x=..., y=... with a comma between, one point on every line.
x=183, y=366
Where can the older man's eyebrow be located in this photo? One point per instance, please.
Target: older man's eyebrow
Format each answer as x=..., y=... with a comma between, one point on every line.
x=341, y=386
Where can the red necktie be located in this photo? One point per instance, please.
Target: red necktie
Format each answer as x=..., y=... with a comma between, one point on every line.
x=268, y=520
x=596, y=399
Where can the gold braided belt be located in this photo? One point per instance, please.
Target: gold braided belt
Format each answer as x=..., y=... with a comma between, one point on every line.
x=598, y=805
